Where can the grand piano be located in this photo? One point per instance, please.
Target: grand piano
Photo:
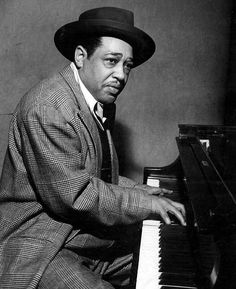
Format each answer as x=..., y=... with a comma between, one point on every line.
x=201, y=255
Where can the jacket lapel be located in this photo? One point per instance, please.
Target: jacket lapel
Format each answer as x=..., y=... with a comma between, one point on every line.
x=114, y=159
x=85, y=115
x=88, y=121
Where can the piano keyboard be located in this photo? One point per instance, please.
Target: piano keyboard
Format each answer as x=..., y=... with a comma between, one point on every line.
x=148, y=266
x=166, y=258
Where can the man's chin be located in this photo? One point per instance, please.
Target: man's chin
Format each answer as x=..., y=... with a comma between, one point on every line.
x=107, y=98
x=110, y=100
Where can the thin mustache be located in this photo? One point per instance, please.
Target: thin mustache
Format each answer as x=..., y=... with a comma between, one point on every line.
x=115, y=84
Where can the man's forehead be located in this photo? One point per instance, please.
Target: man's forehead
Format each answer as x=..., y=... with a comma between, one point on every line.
x=116, y=45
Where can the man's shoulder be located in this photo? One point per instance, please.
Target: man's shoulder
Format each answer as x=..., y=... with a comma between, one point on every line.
x=55, y=82
x=54, y=92
x=50, y=90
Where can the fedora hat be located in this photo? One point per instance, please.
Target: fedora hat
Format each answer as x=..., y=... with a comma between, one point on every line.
x=105, y=21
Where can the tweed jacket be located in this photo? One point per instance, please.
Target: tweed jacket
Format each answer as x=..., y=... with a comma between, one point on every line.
x=50, y=190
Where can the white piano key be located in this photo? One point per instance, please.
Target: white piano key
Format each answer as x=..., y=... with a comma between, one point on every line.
x=149, y=260
x=153, y=182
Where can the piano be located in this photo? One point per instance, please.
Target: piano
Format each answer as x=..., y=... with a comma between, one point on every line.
x=202, y=254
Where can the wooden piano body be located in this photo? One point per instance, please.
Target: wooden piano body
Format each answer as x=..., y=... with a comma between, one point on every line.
x=201, y=255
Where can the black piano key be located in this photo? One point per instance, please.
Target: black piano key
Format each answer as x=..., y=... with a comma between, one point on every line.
x=176, y=279
x=178, y=254
x=176, y=287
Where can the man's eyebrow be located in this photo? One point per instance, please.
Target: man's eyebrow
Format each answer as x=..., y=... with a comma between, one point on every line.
x=115, y=53
x=119, y=54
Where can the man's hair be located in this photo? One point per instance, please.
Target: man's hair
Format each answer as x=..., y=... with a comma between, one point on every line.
x=90, y=44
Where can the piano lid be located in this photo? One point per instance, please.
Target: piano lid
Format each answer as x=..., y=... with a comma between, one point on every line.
x=207, y=155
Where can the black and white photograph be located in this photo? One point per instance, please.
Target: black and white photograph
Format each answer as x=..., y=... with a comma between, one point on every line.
x=118, y=144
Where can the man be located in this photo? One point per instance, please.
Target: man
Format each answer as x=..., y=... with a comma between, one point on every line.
x=65, y=213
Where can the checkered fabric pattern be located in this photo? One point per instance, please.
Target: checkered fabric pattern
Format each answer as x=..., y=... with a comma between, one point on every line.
x=50, y=189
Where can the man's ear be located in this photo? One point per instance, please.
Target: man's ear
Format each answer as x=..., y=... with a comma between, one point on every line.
x=80, y=56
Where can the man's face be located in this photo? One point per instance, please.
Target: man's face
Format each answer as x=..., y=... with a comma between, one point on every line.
x=106, y=72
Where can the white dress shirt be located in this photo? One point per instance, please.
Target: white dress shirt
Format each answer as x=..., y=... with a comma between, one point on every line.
x=95, y=107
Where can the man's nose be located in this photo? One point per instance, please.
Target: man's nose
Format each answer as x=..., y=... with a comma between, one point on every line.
x=119, y=72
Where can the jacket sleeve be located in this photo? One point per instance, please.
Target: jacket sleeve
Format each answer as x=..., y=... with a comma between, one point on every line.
x=54, y=158
x=126, y=182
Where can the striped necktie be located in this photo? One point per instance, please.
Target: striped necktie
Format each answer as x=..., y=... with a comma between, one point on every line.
x=98, y=110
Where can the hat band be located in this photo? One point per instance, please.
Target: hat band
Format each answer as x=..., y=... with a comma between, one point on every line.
x=106, y=22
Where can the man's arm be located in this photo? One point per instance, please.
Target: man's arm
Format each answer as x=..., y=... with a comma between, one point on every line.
x=54, y=157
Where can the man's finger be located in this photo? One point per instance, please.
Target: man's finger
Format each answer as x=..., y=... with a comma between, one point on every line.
x=179, y=207
x=178, y=214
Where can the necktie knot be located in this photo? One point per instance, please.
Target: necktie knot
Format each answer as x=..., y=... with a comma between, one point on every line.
x=98, y=109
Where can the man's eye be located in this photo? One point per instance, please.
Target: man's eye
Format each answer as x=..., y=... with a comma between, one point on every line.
x=129, y=66
x=111, y=61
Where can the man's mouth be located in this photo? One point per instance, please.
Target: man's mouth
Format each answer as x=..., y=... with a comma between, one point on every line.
x=114, y=89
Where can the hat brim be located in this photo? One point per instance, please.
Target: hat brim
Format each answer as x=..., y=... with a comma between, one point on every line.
x=67, y=37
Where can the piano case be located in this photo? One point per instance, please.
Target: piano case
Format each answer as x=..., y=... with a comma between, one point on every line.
x=203, y=254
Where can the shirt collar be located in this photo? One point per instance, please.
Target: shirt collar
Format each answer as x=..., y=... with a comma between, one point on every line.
x=90, y=100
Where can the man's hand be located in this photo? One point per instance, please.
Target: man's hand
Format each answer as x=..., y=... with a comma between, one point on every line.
x=164, y=206
x=154, y=190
